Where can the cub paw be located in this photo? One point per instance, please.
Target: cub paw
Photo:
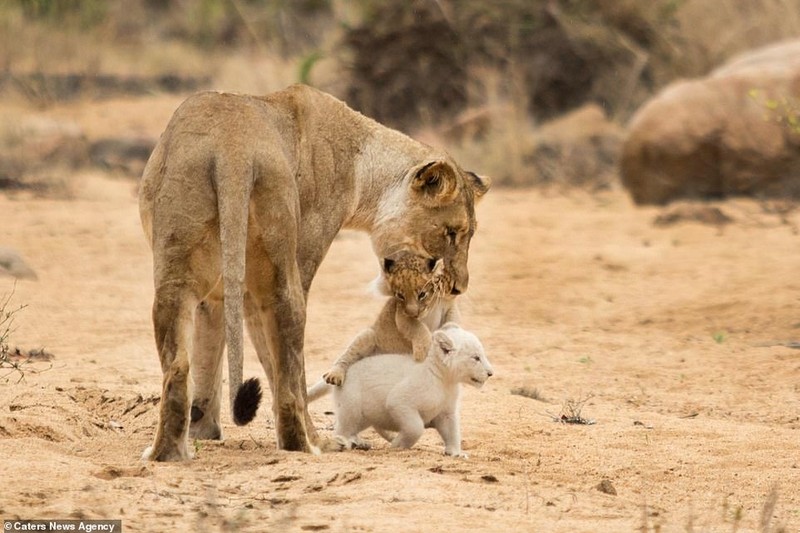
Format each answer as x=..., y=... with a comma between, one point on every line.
x=420, y=353
x=457, y=455
x=336, y=444
x=358, y=444
x=334, y=376
x=421, y=348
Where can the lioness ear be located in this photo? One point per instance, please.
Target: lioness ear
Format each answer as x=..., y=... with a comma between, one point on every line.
x=435, y=182
x=388, y=265
x=480, y=184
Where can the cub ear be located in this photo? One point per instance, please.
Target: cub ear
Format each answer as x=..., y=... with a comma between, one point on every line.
x=480, y=184
x=435, y=183
x=444, y=344
x=388, y=264
x=434, y=264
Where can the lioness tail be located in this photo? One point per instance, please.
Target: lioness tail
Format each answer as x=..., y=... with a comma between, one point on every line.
x=248, y=398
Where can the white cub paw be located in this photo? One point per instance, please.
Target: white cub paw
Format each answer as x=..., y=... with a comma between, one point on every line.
x=457, y=455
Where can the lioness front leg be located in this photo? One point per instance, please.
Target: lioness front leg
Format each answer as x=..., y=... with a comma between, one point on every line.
x=416, y=332
x=364, y=345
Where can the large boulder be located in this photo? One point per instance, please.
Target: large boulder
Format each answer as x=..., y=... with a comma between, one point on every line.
x=735, y=132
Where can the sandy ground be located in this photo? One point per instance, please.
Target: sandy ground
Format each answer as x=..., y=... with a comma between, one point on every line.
x=677, y=337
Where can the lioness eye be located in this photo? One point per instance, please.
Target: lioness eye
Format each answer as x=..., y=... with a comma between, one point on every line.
x=477, y=358
x=400, y=296
x=451, y=235
x=423, y=295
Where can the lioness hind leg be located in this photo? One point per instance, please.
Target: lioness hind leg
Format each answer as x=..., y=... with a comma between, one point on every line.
x=278, y=301
x=285, y=325
x=172, y=319
x=209, y=343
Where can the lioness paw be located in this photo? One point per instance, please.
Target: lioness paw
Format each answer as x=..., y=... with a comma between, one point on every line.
x=334, y=376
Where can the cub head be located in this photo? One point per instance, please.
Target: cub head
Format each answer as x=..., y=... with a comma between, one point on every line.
x=413, y=280
x=433, y=214
x=462, y=353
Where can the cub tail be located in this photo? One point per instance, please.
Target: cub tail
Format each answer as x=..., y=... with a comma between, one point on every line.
x=246, y=403
x=318, y=390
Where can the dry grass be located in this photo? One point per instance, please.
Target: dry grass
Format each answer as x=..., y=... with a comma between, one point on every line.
x=495, y=134
x=8, y=366
x=712, y=32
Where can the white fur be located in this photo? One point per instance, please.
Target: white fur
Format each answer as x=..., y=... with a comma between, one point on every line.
x=391, y=392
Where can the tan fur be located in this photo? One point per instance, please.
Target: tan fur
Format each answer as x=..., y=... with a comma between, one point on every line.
x=417, y=288
x=240, y=201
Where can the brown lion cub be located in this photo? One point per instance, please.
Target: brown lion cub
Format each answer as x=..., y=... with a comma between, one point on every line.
x=420, y=303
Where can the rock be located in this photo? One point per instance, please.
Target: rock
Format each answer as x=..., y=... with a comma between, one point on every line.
x=580, y=149
x=606, y=487
x=735, y=132
x=12, y=264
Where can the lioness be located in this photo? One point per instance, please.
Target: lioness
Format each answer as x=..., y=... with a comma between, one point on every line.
x=240, y=200
x=393, y=393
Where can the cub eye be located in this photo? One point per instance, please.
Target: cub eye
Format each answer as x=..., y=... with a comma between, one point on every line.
x=399, y=296
x=476, y=357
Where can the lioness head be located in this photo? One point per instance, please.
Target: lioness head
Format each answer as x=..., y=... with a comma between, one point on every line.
x=462, y=353
x=433, y=214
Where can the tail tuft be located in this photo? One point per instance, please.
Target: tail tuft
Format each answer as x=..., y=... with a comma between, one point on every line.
x=248, y=398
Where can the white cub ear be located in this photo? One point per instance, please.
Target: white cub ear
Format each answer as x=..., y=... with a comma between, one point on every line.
x=444, y=343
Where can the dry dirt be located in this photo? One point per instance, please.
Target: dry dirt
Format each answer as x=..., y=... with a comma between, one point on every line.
x=679, y=337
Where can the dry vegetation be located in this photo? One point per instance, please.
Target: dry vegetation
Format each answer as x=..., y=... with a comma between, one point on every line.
x=493, y=73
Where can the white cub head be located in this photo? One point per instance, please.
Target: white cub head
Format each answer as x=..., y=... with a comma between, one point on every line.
x=462, y=353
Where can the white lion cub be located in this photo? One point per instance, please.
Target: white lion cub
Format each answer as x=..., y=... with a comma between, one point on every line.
x=393, y=393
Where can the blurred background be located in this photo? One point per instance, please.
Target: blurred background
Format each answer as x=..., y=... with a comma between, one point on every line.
x=531, y=92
